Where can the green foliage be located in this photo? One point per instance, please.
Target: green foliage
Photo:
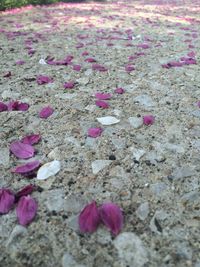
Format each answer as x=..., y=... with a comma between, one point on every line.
x=5, y=4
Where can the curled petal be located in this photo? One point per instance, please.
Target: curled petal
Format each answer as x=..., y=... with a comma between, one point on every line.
x=31, y=139
x=112, y=217
x=89, y=218
x=7, y=200
x=3, y=107
x=27, y=190
x=148, y=119
x=46, y=112
x=102, y=104
x=94, y=132
x=69, y=85
x=27, y=169
x=103, y=96
x=119, y=91
x=26, y=210
x=21, y=150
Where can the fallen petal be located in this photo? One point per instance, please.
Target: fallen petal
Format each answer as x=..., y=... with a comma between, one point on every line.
x=21, y=150
x=27, y=190
x=46, y=112
x=103, y=96
x=94, y=132
x=69, y=85
x=3, y=107
x=89, y=218
x=41, y=79
x=48, y=169
x=7, y=200
x=26, y=210
x=31, y=139
x=148, y=119
x=112, y=217
x=109, y=120
x=102, y=104
x=27, y=168
x=119, y=91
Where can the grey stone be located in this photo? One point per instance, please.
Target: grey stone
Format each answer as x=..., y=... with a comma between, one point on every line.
x=68, y=261
x=4, y=157
x=74, y=203
x=183, y=172
x=17, y=231
x=55, y=200
x=145, y=100
x=135, y=122
x=143, y=211
x=99, y=165
x=131, y=250
x=158, y=188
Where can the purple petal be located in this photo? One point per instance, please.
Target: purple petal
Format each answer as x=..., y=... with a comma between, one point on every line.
x=111, y=215
x=77, y=67
x=3, y=107
x=89, y=218
x=26, y=210
x=27, y=190
x=23, y=106
x=69, y=85
x=21, y=150
x=41, y=79
x=102, y=104
x=198, y=104
x=129, y=68
x=31, y=139
x=20, y=62
x=16, y=105
x=99, y=67
x=90, y=60
x=94, y=132
x=27, y=169
x=103, y=96
x=6, y=75
x=7, y=200
x=148, y=119
x=46, y=112
x=119, y=91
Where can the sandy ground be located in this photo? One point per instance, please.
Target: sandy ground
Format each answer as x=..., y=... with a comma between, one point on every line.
x=151, y=172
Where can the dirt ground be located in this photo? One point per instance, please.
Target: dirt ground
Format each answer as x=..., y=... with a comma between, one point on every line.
x=149, y=48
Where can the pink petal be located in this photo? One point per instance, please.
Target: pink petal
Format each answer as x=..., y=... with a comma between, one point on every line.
x=41, y=79
x=27, y=190
x=119, y=91
x=85, y=53
x=26, y=210
x=148, y=119
x=7, y=200
x=94, y=132
x=77, y=67
x=27, y=169
x=89, y=218
x=31, y=139
x=129, y=68
x=144, y=46
x=69, y=85
x=3, y=107
x=99, y=67
x=21, y=150
x=46, y=112
x=20, y=62
x=102, y=104
x=16, y=105
x=112, y=217
x=103, y=96
x=90, y=60
x=23, y=106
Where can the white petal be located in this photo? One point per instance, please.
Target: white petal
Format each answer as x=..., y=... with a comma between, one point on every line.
x=48, y=169
x=42, y=61
x=109, y=120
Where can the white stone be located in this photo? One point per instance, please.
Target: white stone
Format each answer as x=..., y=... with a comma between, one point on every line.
x=42, y=61
x=131, y=250
x=18, y=230
x=4, y=156
x=48, y=169
x=108, y=120
x=68, y=261
x=138, y=153
x=99, y=165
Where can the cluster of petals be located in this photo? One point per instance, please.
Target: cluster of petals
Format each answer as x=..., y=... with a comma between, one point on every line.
x=108, y=214
x=13, y=106
x=26, y=205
